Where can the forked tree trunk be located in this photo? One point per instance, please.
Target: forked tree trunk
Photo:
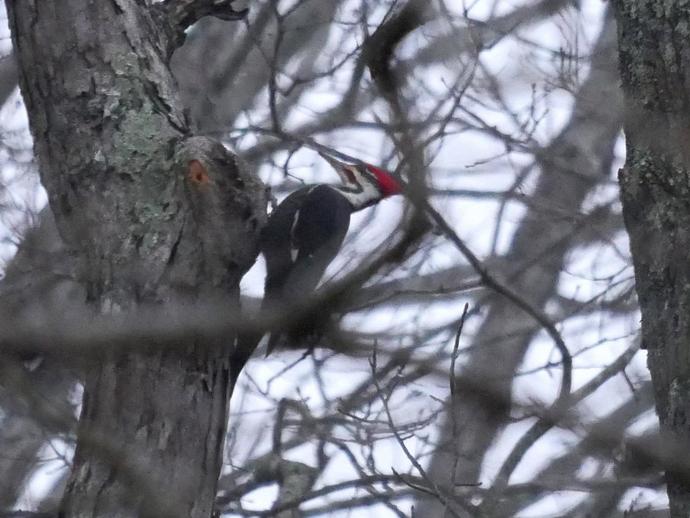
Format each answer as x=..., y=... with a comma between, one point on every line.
x=160, y=217
x=654, y=51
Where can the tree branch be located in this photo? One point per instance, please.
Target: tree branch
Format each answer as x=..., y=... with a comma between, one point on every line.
x=182, y=14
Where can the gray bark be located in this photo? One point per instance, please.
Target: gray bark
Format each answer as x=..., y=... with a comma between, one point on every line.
x=654, y=53
x=156, y=216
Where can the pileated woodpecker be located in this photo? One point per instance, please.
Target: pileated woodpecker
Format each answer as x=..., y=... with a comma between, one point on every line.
x=305, y=232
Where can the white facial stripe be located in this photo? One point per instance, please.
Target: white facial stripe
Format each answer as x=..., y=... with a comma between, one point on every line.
x=363, y=197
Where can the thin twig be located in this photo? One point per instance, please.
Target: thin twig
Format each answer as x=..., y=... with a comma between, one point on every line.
x=452, y=381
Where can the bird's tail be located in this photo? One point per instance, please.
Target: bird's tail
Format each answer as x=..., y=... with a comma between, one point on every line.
x=272, y=303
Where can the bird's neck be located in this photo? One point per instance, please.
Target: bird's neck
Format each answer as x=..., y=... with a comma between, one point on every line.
x=360, y=197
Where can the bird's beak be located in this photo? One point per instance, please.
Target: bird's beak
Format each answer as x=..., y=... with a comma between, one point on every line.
x=340, y=167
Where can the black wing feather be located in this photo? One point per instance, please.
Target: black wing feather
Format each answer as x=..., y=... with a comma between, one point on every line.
x=313, y=223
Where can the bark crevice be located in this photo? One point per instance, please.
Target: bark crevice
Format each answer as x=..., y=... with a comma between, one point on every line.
x=118, y=161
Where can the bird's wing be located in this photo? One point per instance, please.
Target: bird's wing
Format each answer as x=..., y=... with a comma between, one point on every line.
x=276, y=243
x=317, y=234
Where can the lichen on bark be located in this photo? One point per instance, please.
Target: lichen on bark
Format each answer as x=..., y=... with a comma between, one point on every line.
x=654, y=53
x=115, y=151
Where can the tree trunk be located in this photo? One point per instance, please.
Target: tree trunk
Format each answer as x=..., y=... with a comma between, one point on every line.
x=654, y=52
x=158, y=217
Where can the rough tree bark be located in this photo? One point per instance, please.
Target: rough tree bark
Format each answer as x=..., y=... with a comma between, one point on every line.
x=158, y=216
x=654, y=54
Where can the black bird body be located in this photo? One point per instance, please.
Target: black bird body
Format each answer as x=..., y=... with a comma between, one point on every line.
x=302, y=236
